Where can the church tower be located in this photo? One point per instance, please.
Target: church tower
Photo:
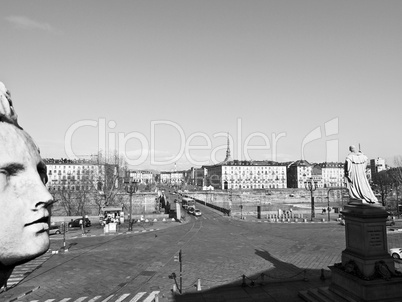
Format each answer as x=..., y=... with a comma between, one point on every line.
x=228, y=156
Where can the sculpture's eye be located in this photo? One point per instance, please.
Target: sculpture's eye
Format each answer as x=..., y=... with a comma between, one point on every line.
x=11, y=169
x=42, y=171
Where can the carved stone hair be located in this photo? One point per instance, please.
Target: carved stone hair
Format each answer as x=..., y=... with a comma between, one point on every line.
x=7, y=111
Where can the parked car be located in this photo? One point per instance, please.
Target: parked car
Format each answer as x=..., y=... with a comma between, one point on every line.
x=54, y=229
x=396, y=253
x=197, y=212
x=390, y=221
x=76, y=223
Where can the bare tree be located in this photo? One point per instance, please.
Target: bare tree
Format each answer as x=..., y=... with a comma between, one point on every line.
x=383, y=184
x=109, y=182
x=67, y=200
x=396, y=176
x=397, y=171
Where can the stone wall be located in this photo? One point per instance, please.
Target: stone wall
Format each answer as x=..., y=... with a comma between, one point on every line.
x=142, y=203
x=270, y=201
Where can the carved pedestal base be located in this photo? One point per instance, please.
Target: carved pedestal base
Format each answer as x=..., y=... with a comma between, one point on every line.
x=381, y=288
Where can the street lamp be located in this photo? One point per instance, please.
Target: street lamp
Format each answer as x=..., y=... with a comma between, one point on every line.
x=329, y=216
x=131, y=188
x=230, y=201
x=311, y=186
x=397, y=202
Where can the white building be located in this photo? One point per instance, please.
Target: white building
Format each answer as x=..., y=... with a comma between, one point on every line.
x=142, y=176
x=333, y=175
x=173, y=177
x=237, y=174
x=74, y=175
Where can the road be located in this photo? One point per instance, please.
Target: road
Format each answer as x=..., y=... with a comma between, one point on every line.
x=217, y=250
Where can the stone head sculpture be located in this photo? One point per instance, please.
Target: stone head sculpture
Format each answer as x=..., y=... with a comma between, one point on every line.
x=24, y=198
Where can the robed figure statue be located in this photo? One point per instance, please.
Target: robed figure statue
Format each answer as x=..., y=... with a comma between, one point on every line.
x=356, y=179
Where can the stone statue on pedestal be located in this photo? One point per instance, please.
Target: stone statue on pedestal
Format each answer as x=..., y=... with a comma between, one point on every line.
x=356, y=179
x=367, y=272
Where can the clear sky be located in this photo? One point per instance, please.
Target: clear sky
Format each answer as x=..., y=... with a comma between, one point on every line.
x=165, y=81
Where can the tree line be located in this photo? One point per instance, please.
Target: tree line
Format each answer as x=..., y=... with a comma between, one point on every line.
x=388, y=182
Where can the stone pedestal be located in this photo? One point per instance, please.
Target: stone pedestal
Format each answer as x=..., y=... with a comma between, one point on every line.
x=367, y=272
x=366, y=239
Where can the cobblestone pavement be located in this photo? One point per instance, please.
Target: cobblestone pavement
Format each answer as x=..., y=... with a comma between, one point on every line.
x=230, y=259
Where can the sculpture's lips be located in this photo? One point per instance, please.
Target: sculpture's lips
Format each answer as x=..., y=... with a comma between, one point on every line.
x=44, y=219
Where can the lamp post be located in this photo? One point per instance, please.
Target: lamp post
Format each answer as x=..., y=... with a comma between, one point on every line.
x=131, y=188
x=397, y=202
x=230, y=201
x=311, y=186
x=329, y=217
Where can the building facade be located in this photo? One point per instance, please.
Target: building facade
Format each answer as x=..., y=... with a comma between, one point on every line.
x=165, y=177
x=333, y=174
x=141, y=176
x=235, y=174
x=377, y=165
x=175, y=177
x=72, y=175
x=298, y=173
x=200, y=175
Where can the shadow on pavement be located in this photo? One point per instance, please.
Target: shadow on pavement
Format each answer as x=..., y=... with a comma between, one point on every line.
x=280, y=283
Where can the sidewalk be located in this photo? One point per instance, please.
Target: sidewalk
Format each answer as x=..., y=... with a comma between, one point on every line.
x=98, y=230
x=318, y=218
x=275, y=291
